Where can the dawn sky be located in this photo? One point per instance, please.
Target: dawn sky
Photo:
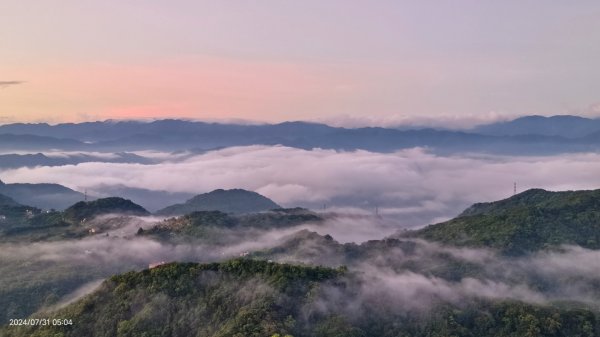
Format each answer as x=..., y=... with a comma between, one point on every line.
x=337, y=61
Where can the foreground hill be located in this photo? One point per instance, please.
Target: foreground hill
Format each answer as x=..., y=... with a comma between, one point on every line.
x=258, y=298
x=227, y=201
x=391, y=287
x=45, y=196
x=235, y=298
x=529, y=221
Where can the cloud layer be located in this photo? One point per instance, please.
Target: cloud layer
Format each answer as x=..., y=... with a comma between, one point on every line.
x=413, y=185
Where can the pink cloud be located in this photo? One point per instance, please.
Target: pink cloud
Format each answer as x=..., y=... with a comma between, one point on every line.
x=195, y=87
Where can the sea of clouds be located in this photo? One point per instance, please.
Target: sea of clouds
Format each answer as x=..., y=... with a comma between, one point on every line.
x=413, y=185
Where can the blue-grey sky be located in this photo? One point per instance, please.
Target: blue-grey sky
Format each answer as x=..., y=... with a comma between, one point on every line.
x=339, y=61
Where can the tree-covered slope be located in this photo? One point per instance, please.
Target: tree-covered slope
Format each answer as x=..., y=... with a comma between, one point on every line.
x=529, y=221
x=247, y=298
x=227, y=201
x=86, y=210
x=234, y=298
x=45, y=196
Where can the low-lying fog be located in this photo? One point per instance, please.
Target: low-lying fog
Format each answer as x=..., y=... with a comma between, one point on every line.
x=570, y=273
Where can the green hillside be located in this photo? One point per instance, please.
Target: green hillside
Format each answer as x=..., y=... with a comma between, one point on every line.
x=234, y=298
x=247, y=298
x=529, y=221
x=228, y=201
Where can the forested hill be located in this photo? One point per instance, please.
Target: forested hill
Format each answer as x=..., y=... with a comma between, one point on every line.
x=89, y=209
x=248, y=298
x=234, y=298
x=529, y=221
x=227, y=201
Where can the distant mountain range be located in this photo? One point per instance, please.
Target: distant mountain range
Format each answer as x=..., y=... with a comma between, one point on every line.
x=562, y=126
x=8, y=161
x=526, y=135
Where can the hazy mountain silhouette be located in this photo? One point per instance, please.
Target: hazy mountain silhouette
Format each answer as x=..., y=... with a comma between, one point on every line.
x=227, y=201
x=45, y=196
x=527, y=135
x=564, y=126
x=40, y=159
x=150, y=199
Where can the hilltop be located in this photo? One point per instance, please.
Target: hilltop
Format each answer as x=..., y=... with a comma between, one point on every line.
x=233, y=298
x=529, y=221
x=86, y=210
x=227, y=201
x=562, y=125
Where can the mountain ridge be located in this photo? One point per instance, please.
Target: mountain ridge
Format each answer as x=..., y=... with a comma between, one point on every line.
x=44, y=195
x=177, y=135
x=568, y=126
x=529, y=221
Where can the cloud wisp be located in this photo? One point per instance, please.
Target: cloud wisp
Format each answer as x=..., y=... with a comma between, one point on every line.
x=5, y=84
x=415, y=275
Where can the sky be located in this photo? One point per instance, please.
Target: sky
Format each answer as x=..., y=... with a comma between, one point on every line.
x=338, y=61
